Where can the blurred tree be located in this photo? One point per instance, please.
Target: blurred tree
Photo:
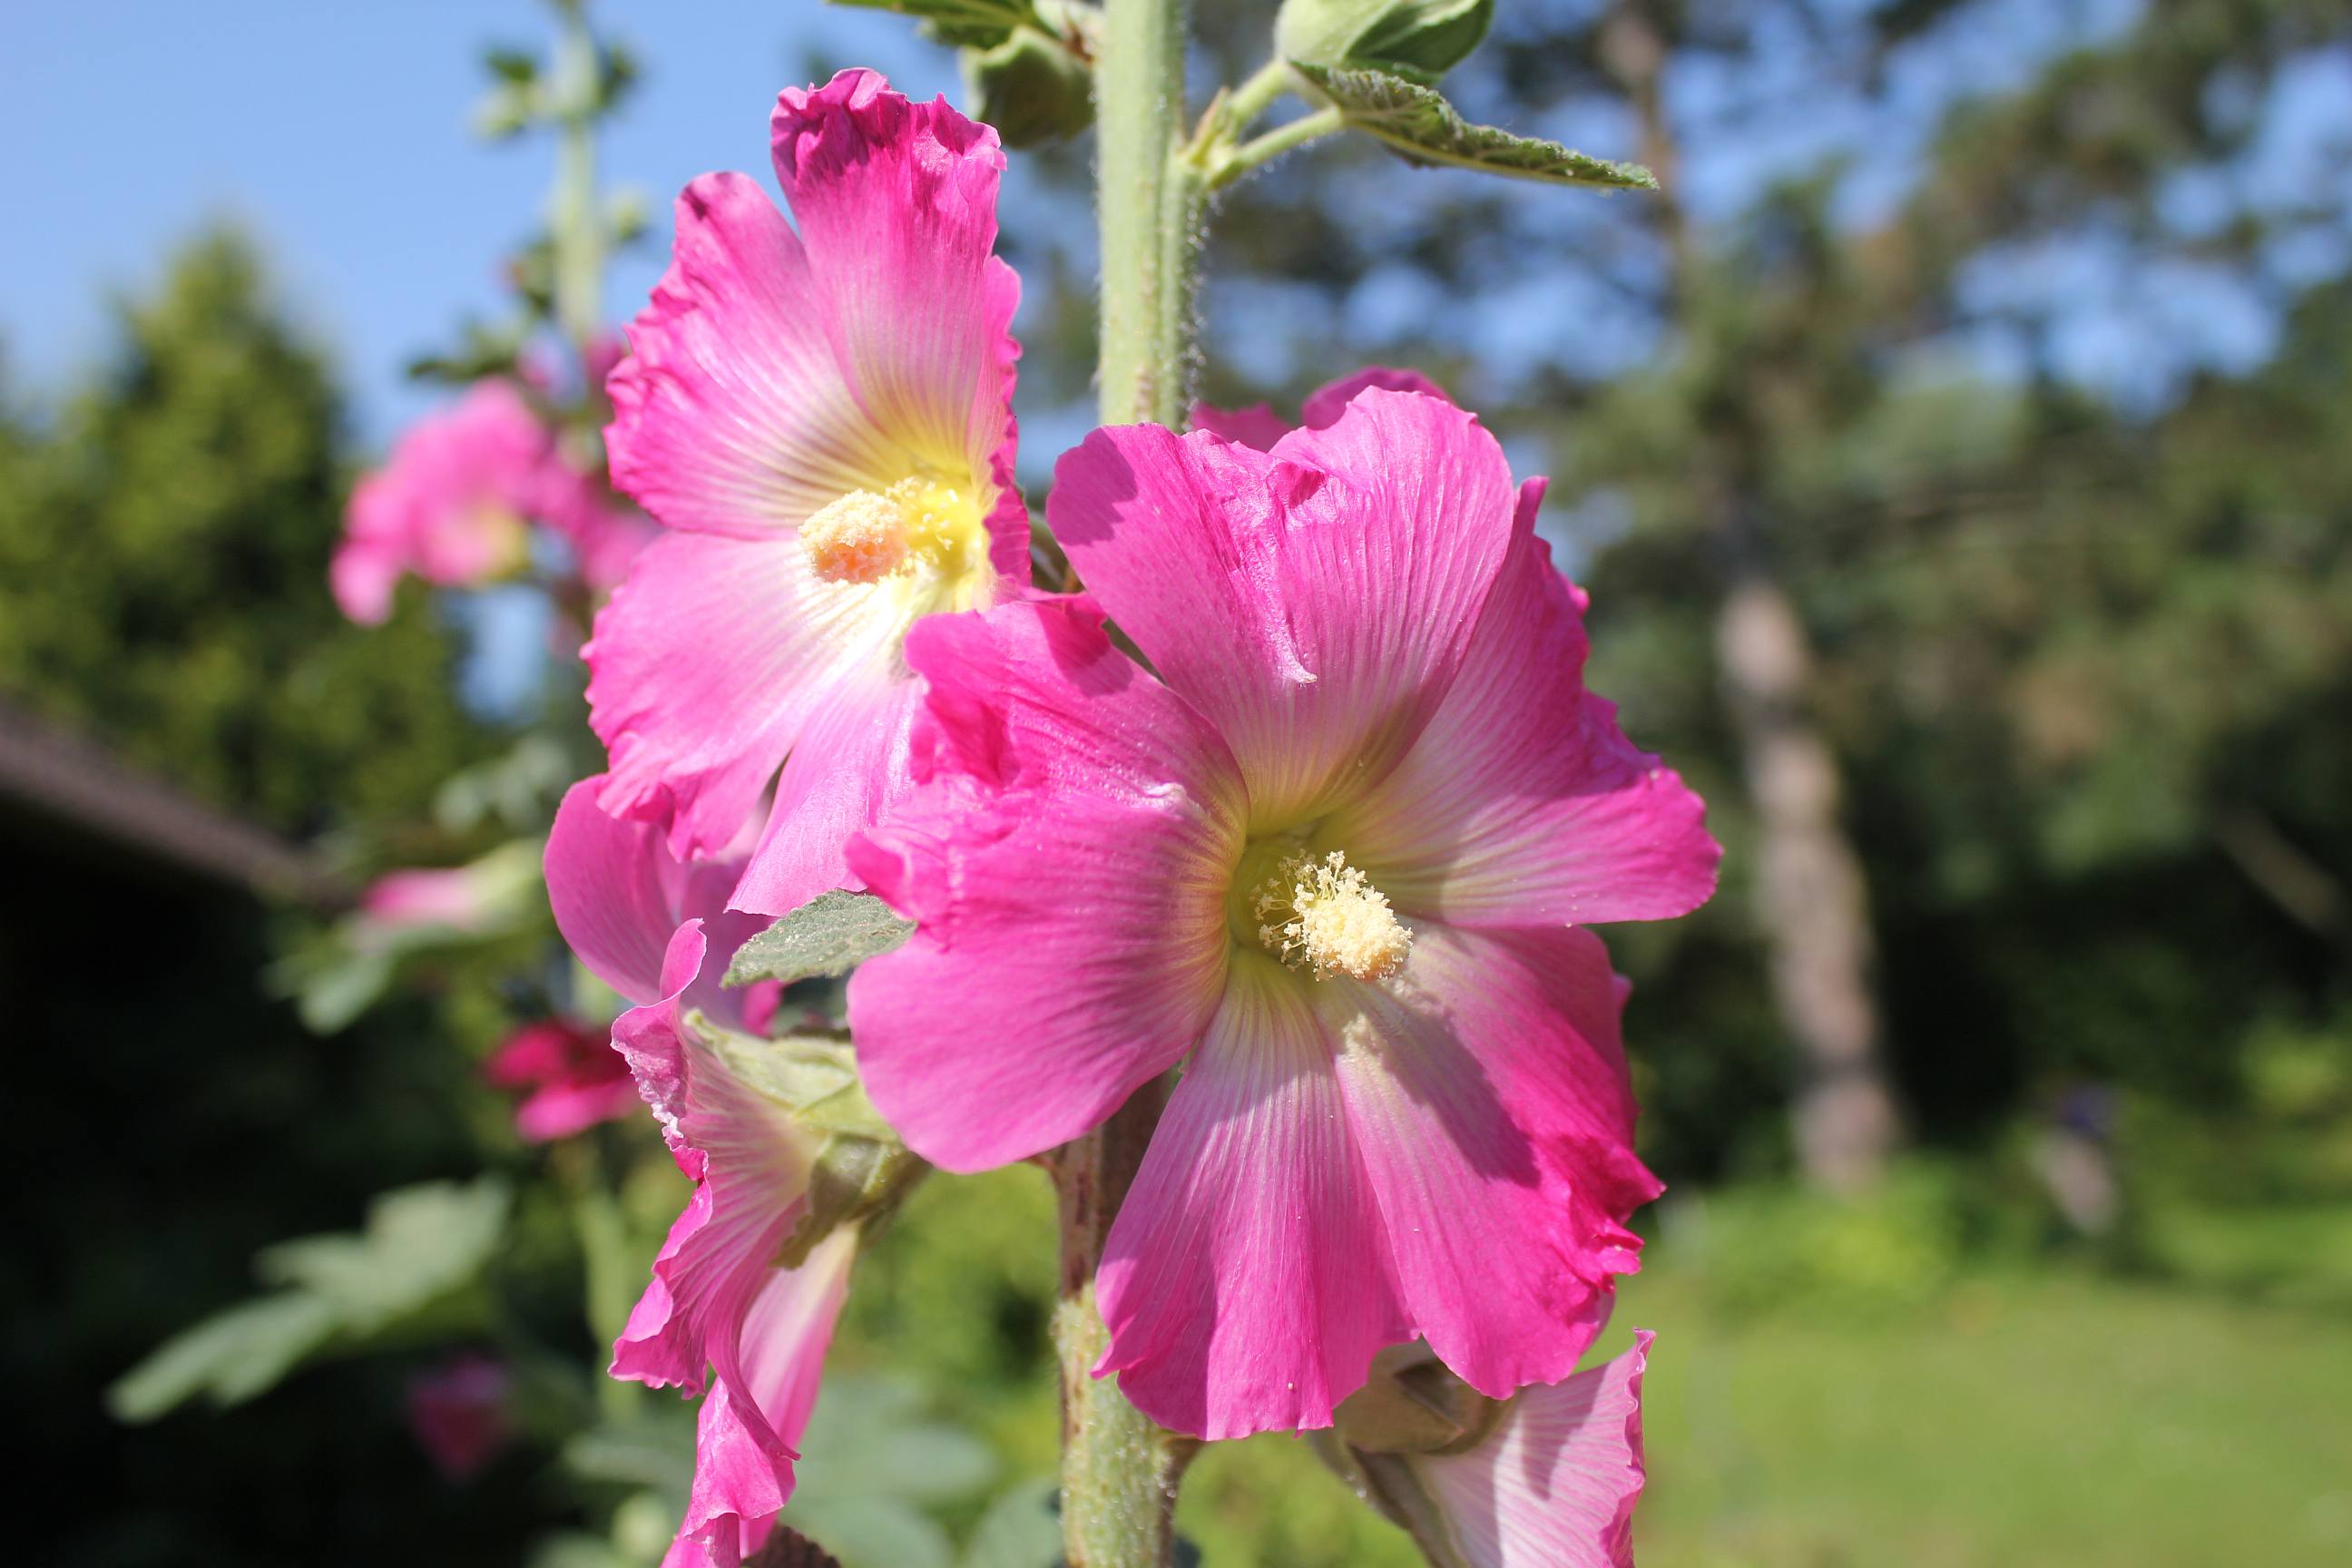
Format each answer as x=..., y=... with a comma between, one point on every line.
x=1908, y=447
x=162, y=570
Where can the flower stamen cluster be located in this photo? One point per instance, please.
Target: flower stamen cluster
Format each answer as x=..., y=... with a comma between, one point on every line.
x=865, y=537
x=1339, y=924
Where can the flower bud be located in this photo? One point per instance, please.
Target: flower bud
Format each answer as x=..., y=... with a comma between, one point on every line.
x=1429, y=36
x=1034, y=89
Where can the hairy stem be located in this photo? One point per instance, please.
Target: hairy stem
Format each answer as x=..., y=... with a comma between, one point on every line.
x=1148, y=206
x=1119, y=1472
x=575, y=224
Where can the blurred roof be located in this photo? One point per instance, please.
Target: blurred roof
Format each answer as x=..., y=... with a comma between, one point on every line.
x=73, y=780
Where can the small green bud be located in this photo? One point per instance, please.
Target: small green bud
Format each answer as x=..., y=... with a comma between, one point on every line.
x=1034, y=88
x=1427, y=36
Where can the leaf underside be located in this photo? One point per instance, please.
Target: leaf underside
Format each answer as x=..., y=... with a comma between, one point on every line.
x=1417, y=121
x=829, y=935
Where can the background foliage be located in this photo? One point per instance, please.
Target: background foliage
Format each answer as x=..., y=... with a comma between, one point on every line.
x=2019, y=334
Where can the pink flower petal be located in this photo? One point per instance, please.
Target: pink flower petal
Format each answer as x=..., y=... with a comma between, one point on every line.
x=750, y=1427
x=848, y=767
x=1066, y=851
x=449, y=503
x=1312, y=603
x=1487, y=1092
x=611, y=901
x=731, y=415
x=896, y=205
x=1554, y=1485
x=706, y=664
x=1246, y=1282
x=620, y=898
x=1326, y=404
x=1523, y=802
x=1260, y=426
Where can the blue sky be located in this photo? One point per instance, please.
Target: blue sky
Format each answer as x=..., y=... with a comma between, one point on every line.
x=337, y=130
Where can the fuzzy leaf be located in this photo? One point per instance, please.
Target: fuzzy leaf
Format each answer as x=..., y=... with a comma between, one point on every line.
x=1418, y=123
x=423, y=1246
x=831, y=935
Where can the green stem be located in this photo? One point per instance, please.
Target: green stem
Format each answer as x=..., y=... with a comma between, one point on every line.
x=576, y=227
x=1119, y=1472
x=1257, y=95
x=1266, y=149
x=1148, y=206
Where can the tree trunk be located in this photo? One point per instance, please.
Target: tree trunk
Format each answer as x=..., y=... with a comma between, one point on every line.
x=1811, y=903
x=1811, y=899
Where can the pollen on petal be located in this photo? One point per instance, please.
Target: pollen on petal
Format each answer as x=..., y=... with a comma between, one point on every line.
x=1341, y=924
x=860, y=537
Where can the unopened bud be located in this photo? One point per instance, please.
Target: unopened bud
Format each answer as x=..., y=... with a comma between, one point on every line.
x=1411, y=1405
x=1035, y=88
x=1430, y=36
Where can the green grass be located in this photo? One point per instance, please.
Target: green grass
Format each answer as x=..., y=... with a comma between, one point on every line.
x=1886, y=1403
x=2023, y=1421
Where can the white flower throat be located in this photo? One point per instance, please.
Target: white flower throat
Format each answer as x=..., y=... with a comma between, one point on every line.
x=1337, y=923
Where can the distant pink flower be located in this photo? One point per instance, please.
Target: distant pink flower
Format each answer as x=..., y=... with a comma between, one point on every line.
x=576, y=1078
x=605, y=534
x=451, y=504
x=1260, y=426
x=822, y=420
x=457, y=897
x=1554, y=1483
x=1330, y=858
x=657, y=930
x=459, y=1413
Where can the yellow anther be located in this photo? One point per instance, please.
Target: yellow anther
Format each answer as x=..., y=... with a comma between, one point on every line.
x=865, y=536
x=1339, y=924
x=861, y=537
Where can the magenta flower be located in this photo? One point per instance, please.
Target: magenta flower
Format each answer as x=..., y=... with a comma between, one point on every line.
x=1334, y=859
x=575, y=1077
x=823, y=421
x=458, y=1412
x=452, y=503
x=658, y=932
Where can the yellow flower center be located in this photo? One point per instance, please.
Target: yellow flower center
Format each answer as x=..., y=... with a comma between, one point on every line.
x=1323, y=914
x=914, y=526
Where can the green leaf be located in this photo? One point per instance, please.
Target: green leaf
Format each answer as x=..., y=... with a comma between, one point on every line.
x=830, y=935
x=423, y=1246
x=1022, y=1528
x=653, y=1448
x=230, y=1356
x=1418, y=123
x=421, y=1243
x=1422, y=35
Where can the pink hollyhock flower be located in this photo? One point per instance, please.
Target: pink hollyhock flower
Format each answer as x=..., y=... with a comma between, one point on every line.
x=605, y=534
x=576, y=1078
x=823, y=421
x=1336, y=859
x=457, y=1411
x=658, y=932
x=1551, y=1483
x=451, y=504
x=1260, y=426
